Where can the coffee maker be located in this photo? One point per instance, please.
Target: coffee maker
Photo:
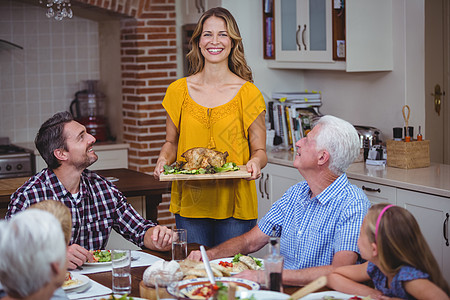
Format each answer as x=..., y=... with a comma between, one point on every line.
x=88, y=108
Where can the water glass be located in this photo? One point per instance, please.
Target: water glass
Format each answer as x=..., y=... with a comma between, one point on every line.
x=121, y=276
x=179, y=244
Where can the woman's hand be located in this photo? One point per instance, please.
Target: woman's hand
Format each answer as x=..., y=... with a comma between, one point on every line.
x=254, y=168
x=159, y=167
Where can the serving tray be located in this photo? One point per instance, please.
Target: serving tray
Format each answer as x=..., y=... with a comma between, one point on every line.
x=241, y=173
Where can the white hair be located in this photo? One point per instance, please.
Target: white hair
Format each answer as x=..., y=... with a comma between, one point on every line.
x=340, y=139
x=29, y=242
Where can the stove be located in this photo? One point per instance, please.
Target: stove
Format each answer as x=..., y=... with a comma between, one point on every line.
x=15, y=161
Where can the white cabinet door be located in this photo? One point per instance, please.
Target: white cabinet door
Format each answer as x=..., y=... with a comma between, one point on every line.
x=377, y=193
x=431, y=212
x=303, y=30
x=368, y=34
x=193, y=9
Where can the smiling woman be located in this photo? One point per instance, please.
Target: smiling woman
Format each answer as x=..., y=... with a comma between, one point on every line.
x=217, y=107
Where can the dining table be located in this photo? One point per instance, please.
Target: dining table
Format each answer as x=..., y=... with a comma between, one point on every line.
x=105, y=278
x=130, y=182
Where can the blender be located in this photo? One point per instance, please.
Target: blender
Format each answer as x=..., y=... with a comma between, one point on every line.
x=88, y=108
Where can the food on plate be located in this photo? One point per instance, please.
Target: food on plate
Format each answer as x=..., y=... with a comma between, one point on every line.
x=246, y=262
x=208, y=290
x=69, y=281
x=101, y=255
x=201, y=160
x=122, y=297
x=352, y=298
x=250, y=261
x=162, y=268
x=194, y=269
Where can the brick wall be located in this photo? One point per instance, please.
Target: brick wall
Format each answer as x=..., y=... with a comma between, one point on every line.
x=148, y=54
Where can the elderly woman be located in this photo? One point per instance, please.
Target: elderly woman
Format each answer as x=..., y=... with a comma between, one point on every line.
x=33, y=250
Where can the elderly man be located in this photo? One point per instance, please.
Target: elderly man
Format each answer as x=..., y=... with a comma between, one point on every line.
x=33, y=250
x=96, y=205
x=318, y=220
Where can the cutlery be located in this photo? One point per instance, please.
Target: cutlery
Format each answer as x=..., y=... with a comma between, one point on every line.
x=309, y=288
x=207, y=265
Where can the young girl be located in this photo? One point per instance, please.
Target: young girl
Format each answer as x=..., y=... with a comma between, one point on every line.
x=399, y=261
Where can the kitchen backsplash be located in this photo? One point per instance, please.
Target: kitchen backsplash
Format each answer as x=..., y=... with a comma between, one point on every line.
x=41, y=79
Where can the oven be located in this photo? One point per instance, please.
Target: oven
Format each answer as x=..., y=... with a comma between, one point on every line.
x=15, y=161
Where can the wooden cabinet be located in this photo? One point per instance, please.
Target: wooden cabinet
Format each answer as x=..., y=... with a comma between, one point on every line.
x=377, y=193
x=193, y=9
x=304, y=38
x=432, y=214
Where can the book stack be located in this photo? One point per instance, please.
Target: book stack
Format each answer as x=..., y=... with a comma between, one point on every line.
x=291, y=116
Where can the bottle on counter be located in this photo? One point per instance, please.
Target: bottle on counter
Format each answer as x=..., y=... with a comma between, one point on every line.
x=273, y=264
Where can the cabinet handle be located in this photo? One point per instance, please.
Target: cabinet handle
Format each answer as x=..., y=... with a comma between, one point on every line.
x=260, y=185
x=297, y=37
x=371, y=189
x=265, y=186
x=197, y=6
x=303, y=36
x=202, y=6
x=445, y=229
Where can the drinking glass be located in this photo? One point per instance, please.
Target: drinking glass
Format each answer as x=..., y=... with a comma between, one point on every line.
x=179, y=244
x=121, y=276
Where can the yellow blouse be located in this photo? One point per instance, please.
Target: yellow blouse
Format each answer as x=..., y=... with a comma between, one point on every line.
x=224, y=128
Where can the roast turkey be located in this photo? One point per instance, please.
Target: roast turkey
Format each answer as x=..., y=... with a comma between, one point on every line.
x=200, y=157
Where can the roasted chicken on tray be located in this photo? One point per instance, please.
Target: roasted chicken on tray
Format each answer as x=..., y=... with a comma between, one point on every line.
x=200, y=157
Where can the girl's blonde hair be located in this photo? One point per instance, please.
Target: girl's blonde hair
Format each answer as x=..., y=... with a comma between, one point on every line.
x=61, y=212
x=400, y=242
x=236, y=60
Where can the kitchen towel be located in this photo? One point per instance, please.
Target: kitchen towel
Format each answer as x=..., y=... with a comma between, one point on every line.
x=138, y=259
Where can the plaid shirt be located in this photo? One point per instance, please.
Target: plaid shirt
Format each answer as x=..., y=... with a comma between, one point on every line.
x=313, y=230
x=98, y=208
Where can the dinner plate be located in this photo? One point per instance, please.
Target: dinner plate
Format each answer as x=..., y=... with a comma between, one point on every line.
x=230, y=259
x=262, y=295
x=189, y=285
x=81, y=280
x=116, y=296
x=104, y=263
x=319, y=296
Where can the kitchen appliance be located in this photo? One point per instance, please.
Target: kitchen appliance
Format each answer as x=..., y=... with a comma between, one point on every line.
x=368, y=136
x=88, y=108
x=15, y=161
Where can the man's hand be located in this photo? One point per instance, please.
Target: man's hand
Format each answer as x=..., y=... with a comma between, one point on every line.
x=77, y=255
x=196, y=255
x=256, y=276
x=158, y=238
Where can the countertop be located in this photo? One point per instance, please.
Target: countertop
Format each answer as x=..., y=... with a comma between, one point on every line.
x=434, y=179
x=97, y=146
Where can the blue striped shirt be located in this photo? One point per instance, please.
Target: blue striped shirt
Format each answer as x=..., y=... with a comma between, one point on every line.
x=314, y=229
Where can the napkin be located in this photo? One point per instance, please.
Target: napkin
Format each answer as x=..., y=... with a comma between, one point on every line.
x=138, y=259
x=95, y=290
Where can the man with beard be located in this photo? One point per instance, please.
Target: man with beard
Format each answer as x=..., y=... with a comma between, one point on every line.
x=96, y=205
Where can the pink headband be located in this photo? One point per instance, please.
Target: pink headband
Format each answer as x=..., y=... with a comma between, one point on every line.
x=379, y=219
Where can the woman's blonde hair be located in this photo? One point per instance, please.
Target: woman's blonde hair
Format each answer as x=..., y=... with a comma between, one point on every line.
x=236, y=60
x=61, y=212
x=400, y=242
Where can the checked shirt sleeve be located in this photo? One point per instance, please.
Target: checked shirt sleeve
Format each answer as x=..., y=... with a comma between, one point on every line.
x=130, y=224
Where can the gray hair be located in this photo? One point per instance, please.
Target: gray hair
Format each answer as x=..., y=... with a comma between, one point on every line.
x=340, y=139
x=29, y=242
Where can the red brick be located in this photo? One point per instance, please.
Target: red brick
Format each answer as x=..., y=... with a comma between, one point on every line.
x=161, y=66
x=151, y=59
x=152, y=122
x=150, y=90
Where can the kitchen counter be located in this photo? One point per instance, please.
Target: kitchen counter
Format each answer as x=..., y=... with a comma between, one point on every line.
x=434, y=179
